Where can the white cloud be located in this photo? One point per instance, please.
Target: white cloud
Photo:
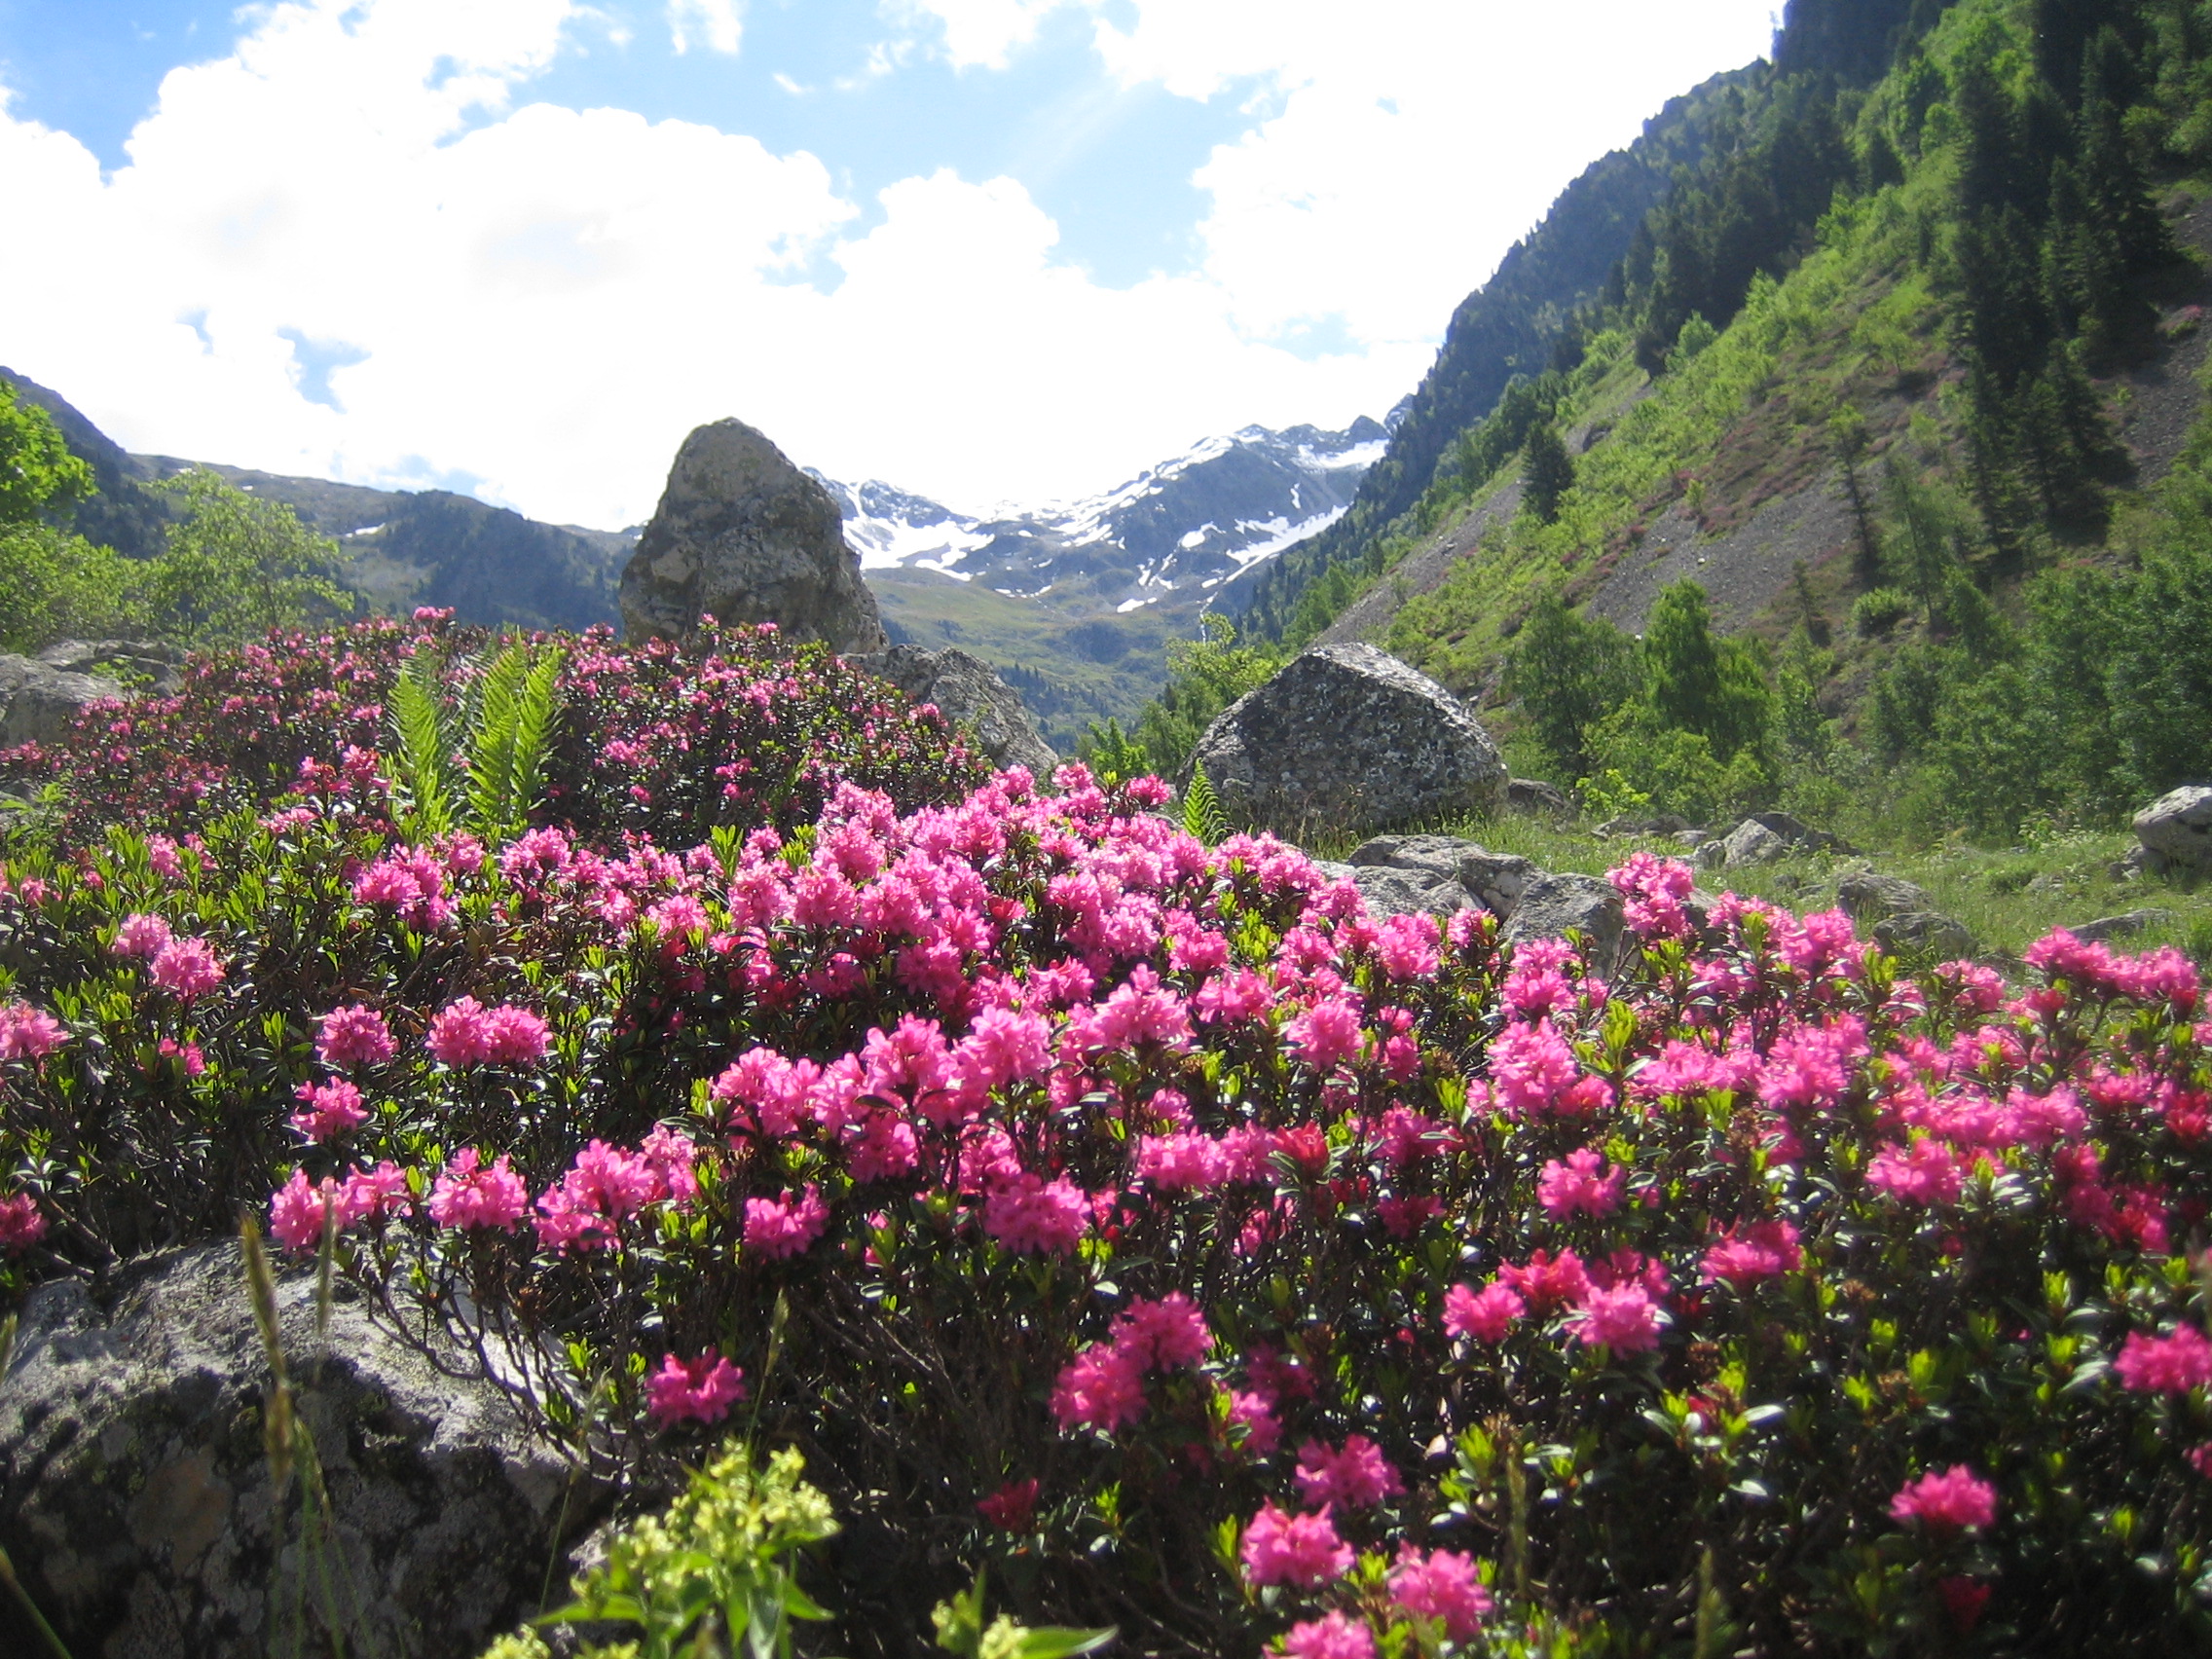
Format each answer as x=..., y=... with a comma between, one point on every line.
x=545, y=300
x=721, y=23
x=982, y=33
x=1402, y=156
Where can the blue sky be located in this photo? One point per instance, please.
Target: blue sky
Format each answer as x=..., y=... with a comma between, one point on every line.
x=993, y=251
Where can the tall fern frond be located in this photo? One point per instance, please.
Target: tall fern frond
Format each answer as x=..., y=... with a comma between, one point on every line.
x=492, y=742
x=1202, y=817
x=420, y=767
x=534, y=711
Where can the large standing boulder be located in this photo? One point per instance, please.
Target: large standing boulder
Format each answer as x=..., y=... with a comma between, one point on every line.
x=743, y=535
x=969, y=692
x=2176, y=830
x=135, y=1499
x=1348, y=738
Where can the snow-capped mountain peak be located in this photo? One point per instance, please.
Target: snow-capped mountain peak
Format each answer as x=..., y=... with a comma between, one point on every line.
x=1185, y=526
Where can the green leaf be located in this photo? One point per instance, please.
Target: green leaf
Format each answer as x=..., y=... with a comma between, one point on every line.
x=1054, y=1642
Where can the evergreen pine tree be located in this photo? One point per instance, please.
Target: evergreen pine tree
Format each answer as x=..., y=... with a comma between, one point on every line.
x=1546, y=473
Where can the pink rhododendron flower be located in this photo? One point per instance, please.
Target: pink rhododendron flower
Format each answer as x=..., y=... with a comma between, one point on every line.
x=187, y=968
x=1440, y=1585
x=1178, y=1163
x=1947, y=1502
x=1925, y=1173
x=1544, y=1283
x=1534, y=1074
x=701, y=1389
x=1032, y=1215
x=297, y=1209
x=1102, y=1388
x=1577, y=1187
x=21, y=1222
x=1168, y=1335
x=29, y=1033
x=465, y=1033
x=1293, y=1549
x=353, y=1036
x=473, y=1194
x=328, y=1109
x=1355, y=1475
x=1255, y=1415
x=2165, y=1365
x=1486, y=1314
x=1765, y=1249
x=142, y=934
x=1621, y=1317
x=785, y=1226
x=1013, y=1508
x=1325, y=1034
x=1332, y=1636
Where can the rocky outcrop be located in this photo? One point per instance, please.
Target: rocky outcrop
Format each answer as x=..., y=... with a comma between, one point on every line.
x=1761, y=839
x=1923, y=934
x=969, y=692
x=1867, y=897
x=1538, y=798
x=1348, y=738
x=1556, y=905
x=1494, y=880
x=38, y=699
x=2126, y=925
x=2175, y=832
x=136, y=1500
x=743, y=535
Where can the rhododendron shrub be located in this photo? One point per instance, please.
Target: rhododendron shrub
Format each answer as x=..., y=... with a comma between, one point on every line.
x=736, y=727
x=1149, y=1219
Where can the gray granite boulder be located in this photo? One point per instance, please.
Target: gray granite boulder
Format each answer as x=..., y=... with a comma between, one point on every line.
x=743, y=535
x=2126, y=925
x=1924, y=932
x=38, y=700
x=1553, y=906
x=135, y=1499
x=2176, y=830
x=1348, y=738
x=1534, y=797
x=1494, y=880
x=1867, y=897
x=969, y=692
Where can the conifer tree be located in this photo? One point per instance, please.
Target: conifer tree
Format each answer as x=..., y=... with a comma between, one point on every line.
x=1547, y=473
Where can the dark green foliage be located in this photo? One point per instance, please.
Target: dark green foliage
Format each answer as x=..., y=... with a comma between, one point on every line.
x=37, y=472
x=1547, y=473
x=1204, y=675
x=1714, y=687
x=1568, y=672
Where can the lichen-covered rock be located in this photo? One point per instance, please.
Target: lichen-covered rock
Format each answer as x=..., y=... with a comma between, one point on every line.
x=1867, y=897
x=38, y=699
x=1348, y=738
x=743, y=535
x=2126, y=925
x=135, y=1499
x=969, y=692
x=1494, y=880
x=2177, y=827
x=1924, y=932
x=1538, y=798
x=154, y=664
x=1555, y=905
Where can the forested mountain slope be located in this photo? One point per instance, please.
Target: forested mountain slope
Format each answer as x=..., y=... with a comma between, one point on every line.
x=1941, y=464
x=1727, y=180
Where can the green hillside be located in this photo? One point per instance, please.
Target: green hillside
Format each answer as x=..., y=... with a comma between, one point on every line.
x=1937, y=473
x=1070, y=671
